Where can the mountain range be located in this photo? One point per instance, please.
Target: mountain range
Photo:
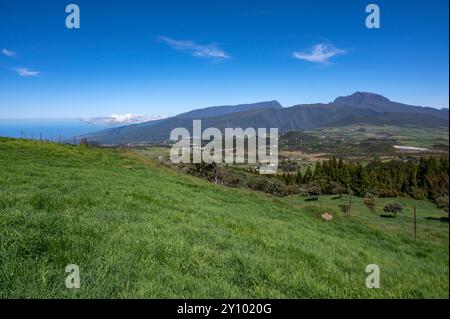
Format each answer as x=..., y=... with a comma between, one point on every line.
x=358, y=108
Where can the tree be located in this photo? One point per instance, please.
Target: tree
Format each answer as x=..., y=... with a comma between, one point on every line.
x=318, y=172
x=308, y=176
x=299, y=177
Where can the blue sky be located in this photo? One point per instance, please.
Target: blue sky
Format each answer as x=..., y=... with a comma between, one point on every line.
x=167, y=57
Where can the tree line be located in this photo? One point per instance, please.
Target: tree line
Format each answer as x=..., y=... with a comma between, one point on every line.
x=420, y=179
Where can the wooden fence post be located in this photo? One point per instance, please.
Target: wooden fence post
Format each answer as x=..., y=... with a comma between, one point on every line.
x=350, y=205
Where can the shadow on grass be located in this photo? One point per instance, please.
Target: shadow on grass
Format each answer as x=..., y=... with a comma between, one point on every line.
x=441, y=219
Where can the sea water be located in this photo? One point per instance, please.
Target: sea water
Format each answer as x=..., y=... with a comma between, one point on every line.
x=49, y=129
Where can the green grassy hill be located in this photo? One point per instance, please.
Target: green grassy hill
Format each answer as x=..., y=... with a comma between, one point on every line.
x=137, y=229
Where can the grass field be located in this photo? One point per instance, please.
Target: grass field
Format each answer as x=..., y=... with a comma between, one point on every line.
x=365, y=142
x=407, y=136
x=137, y=229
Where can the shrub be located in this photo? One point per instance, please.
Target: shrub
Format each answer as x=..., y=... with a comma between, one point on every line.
x=442, y=202
x=393, y=208
x=389, y=193
x=313, y=189
x=417, y=193
x=370, y=201
x=290, y=190
x=345, y=208
x=335, y=188
x=271, y=186
x=288, y=166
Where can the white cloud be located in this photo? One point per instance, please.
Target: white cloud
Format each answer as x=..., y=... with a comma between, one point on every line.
x=26, y=72
x=319, y=53
x=197, y=50
x=122, y=119
x=9, y=53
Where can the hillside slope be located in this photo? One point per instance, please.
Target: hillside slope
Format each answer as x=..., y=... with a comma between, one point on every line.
x=394, y=119
x=160, y=130
x=137, y=229
x=229, y=109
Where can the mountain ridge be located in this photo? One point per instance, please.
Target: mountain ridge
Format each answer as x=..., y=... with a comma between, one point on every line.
x=228, y=109
x=360, y=107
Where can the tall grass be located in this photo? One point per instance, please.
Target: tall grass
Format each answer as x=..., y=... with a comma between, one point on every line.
x=139, y=230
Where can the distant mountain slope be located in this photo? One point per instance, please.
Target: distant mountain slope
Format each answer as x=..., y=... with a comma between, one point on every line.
x=357, y=108
x=117, y=135
x=228, y=109
x=394, y=119
x=381, y=104
x=144, y=131
x=285, y=119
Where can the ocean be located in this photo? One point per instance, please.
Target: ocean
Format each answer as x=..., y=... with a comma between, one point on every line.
x=49, y=129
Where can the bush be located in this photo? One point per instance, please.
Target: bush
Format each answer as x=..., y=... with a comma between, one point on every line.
x=288, y=166
x=389, y=193
x=417, y=193
x=290, y=190
x=335, y=188
x=313, y=189
x=442, y=202
x=370, y=201
x=344, y=208
x=267, y=185
x=393, y=208
x=231, y=180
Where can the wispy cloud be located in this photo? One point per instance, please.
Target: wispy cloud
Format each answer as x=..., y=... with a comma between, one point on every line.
x=319, y=53
x=198, y=50
x=9, y=53
x=26, y=72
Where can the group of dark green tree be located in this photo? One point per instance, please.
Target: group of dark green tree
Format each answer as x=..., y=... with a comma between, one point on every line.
x=425, y=178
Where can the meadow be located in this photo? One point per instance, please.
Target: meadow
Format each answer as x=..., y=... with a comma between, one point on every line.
x=407, y=135
x=138, y=229
x=363, y=142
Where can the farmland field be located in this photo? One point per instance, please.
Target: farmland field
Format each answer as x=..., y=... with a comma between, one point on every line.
x=365, y=141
